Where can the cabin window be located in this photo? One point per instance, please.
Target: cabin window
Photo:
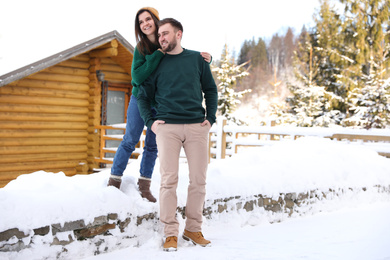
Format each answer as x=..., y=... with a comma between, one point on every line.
x=114, y=109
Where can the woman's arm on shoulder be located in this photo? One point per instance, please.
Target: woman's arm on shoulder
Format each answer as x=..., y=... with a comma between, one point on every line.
x=143, y=66
x=207, y=57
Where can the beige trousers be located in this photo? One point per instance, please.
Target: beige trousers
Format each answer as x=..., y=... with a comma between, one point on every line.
x=194, y=139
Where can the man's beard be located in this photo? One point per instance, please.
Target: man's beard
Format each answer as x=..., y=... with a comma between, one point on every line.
x=170, y=46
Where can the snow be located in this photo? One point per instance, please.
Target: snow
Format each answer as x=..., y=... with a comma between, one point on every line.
x=324, y=236
x=353, y=225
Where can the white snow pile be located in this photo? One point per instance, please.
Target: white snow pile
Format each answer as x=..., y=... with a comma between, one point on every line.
x=43, y=198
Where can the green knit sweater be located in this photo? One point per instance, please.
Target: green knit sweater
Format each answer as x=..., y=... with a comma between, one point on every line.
x=142, y=67
x=178, y=86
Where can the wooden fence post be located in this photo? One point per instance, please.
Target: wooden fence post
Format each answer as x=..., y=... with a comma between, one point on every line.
x=273, y=123
x=221, y=139
x=223, y=144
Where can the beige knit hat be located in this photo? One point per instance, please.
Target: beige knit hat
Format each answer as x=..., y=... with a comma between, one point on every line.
x=152, y=10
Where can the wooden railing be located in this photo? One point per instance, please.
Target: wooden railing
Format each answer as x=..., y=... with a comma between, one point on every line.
x=112, y=150
x=225, y=140
x=379, y=143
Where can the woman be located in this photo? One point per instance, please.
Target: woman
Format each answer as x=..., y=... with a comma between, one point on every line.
x=147, y=56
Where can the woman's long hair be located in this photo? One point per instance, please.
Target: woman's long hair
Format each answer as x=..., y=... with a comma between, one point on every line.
x=144, y=45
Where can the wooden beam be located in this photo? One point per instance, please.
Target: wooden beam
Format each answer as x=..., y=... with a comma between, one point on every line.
x=108, y=61
x=103, y=161
x=111, y=44
x=43, y=109
x=124, y=58
x=43, y=125
x=117, y=76
x=92, y=166
x=43, y=157
x=13, y=99
x=43, y=149
x=103, y=53
x=95, y=106
x=36, y=166
x=82, y=168
x=94, y=92
x=109, y=67
x=28, y=133
x=4, y=183
x=95, y=62
x=365, y=138
x=42, y=141
x=50, y=84
x=67, y=71
x=37, y=92
x=93, y=145
x=59, y=77
x=93, y=114
x=93, y=138
x=75, y=64
x=93, y=154
x=10, y=116
x=81, y=57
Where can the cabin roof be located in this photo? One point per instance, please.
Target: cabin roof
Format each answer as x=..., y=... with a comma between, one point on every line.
x=69, y=53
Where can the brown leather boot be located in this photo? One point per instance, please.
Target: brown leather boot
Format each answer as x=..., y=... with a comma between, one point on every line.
x=144, y=189
x=196, y=238
x=114, y=181
x=170, y=244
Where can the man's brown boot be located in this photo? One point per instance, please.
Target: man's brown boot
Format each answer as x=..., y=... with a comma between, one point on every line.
x=170, y=244
x=115, y=181
x=196, y=238
x=144, y=189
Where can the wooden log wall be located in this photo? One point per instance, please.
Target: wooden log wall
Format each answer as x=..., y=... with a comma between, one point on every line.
x=44, y=121
x=48, y=119
x=103, y=60
x=94, y=113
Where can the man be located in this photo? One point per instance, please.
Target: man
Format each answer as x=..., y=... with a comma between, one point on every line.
x=177, y=87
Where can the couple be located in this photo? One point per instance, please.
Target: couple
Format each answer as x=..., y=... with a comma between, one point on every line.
x=174, y=85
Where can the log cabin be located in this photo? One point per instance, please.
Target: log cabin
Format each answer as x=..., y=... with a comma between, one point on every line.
x=50, y=110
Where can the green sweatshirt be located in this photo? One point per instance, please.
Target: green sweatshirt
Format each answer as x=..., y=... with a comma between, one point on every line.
x=142, y=66
x=178, y=86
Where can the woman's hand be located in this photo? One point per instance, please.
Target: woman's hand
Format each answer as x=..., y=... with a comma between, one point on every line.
x=206, y=56
x=159, y=49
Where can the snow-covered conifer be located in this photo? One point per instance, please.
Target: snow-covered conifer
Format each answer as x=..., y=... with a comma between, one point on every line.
x=227, y=75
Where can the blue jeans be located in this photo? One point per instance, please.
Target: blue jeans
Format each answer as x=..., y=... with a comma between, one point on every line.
x=134, y=128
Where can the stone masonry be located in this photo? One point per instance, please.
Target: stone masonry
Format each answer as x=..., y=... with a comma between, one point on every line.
x=285, y=204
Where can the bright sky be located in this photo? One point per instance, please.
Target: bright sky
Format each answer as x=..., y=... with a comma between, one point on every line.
x=33, y=30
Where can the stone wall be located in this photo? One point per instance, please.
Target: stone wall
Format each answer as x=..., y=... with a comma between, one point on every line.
x=285, y=205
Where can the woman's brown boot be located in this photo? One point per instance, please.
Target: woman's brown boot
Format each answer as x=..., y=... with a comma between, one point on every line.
x=144, y=189
x=114, y=181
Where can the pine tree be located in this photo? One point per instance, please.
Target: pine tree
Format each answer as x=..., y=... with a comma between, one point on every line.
x=227, y=75
x=275, y=53
x=254, y=53
x=371, y=103
x=342, y=67
x=367, y=29
x=289, y=46
x=244, y=55
x=309, y=104
x=366, y=21
x=328, y=47
x=258, y=54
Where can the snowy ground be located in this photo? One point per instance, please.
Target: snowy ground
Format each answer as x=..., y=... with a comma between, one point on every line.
x=353, y=226
x=359, y=232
